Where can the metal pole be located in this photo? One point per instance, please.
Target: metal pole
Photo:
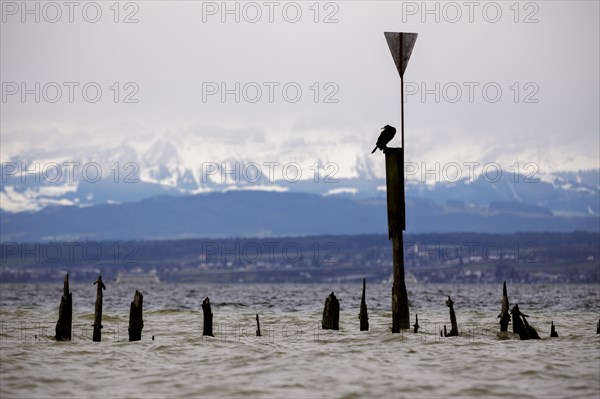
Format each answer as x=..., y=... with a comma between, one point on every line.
x=402, y=109
x=401, y=92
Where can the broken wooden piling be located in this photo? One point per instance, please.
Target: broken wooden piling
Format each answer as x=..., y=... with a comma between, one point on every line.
x=331, y=313
x=454, y=331
x=258, y=334
x=598, y=327
x=136, y=321
x=553, y=332
x=97, y=337
x=208, y=317
x=416, y=325
x=530, y=330
x=394, y=174
x=504, y=315
x=363, y=316
x=521, y=326
x=65, y=313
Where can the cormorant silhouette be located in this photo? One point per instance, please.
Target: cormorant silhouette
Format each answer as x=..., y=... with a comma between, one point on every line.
x=385, y=137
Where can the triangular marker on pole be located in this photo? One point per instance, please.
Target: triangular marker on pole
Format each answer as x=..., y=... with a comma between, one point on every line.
x=401, y=45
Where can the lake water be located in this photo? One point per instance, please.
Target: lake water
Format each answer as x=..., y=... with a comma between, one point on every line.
x=294, y=357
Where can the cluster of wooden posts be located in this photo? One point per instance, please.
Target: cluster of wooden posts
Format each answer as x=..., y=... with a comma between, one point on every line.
x=330, y=321
x=520, y=324
x=65, y=314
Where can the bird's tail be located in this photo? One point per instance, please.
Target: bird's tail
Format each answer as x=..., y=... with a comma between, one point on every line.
x=375, y=149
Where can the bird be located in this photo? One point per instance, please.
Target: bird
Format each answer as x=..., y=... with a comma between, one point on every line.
x=385, y=137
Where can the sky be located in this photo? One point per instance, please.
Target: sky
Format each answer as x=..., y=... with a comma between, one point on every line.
x=303, y=81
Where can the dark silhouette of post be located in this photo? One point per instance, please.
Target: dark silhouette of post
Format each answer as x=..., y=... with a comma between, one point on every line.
x=454, y=331
x=394, y=170
x=136, y=321
x=65, y=313
x=401, y=45
x=530, y=330
x=416, y=325
x=208, y=318
x=258, y=334
x=363, y=315
x=521, y=326
x=97, y=337
x=504, y=315
x=553, y=332
x=331, y=313
x=598, y=328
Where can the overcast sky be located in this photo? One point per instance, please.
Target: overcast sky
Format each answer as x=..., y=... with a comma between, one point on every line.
x=180, y=52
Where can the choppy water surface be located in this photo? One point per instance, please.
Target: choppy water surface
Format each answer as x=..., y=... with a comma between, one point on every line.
x=294, y=357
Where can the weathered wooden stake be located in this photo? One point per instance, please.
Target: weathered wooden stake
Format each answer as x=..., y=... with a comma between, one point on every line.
x=208, y=317
x=530, y=330
x=504, y=315
x=257, y=327
x=416, y=325
x=598, y=328
x=98, y=311
x=553, y=332
x=454, y=331
x=363, y=316
x=394, y=173
x=331, y=313
x=136, y=321
x=65, y=313
x=521, y=326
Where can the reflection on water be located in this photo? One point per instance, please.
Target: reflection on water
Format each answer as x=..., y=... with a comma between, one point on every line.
x=294, y=357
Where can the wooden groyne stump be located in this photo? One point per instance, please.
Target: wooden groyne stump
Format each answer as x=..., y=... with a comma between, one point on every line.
x=65, y=313
x=504, y=315
x=454, y=331
x=136, y=321
x=363, y=315
x=416, y=325
x=521, y=326
x=598, y=328
x=331, y=313
x=97, y=337
x=258, y=334
x=208, y=318
x=553, y=332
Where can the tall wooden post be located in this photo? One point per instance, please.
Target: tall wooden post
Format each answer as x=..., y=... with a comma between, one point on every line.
x=136, y=320
x=331, y=313
x=98, y=311
x=363, y=315
x=401, y=45
x=208, y=318
x=454, y=330
x=394, y=171
x=504, y=315
x=65, y=313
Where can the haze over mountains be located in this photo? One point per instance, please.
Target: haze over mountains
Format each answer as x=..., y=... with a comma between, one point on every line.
x=158, y=193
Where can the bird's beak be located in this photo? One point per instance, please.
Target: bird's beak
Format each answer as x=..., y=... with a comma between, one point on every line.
x=383, y=127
